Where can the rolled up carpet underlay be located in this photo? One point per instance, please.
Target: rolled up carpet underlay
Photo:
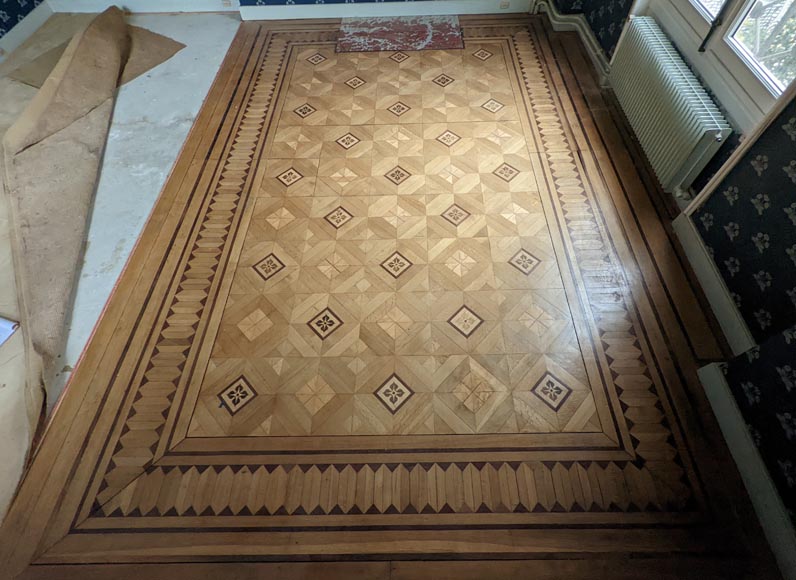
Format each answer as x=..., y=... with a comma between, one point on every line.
x=51, y=160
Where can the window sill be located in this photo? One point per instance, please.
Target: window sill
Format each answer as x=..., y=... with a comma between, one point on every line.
x=745, y=98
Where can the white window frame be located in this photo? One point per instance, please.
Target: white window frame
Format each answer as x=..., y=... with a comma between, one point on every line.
x=700, y=8
x=773, y=85
x=729, y=74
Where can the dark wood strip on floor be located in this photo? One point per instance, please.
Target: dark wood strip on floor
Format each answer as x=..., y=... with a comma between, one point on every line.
x=120, y=489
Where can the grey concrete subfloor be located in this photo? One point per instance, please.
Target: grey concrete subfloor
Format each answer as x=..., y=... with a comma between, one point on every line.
x=151, y=120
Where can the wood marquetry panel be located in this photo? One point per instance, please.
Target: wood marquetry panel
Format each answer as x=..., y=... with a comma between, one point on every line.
x=398, y=488
x=381, y=292
x=396, y=279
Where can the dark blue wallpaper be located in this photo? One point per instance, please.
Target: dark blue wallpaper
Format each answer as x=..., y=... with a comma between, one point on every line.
x=763, y=383
x=606, y=18
x=12, y=11
x=723, y=154
x=749, y=226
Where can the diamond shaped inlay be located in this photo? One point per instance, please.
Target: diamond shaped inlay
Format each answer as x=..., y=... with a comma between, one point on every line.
x=304, y=110
x=482, y=54
x=448, y=138
x=537, y=320
x=237, y=395
x=333, y=266
x=253, y=325
x=280, y=218
x=394, y=394
x=397, y=175
x=500, y=137
x=455, y=214
x=347, y=141
x=269, y=267
x=465, y=321
x=473, y=392
x=315, y=394
x=395, y=216
x=460, y=263
x=325, y=323
x=551, y=391
x=395, y=323
x=338, y=217
x=450, y=173
x=443, y=80
x=396, y=264
x=289, y=177
x=398, y=109
x=316, y=58
x=525, y=262
x=399, y=57
x=506, y=172
x=355, y=82
x=492, y=106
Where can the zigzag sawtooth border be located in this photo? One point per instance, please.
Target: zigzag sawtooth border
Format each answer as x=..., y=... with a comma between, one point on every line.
x=626, y=479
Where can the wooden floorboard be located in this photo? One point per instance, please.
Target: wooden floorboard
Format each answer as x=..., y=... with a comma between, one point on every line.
x=393, y=311
x=586, y=569
x=634, y=203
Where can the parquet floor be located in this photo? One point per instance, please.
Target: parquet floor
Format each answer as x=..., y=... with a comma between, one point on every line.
x=397, y=274
x=394, y=307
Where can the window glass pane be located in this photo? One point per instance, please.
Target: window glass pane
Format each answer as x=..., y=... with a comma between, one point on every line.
x=767, y=34
x=710, y=7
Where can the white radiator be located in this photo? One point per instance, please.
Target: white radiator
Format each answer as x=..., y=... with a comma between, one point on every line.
x=677, y=123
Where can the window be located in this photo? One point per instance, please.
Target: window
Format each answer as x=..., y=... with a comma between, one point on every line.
x=765, y=37
x=710, y=8
x=744, y=50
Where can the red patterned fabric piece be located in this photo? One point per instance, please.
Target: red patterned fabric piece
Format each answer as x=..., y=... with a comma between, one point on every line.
x=399, y=33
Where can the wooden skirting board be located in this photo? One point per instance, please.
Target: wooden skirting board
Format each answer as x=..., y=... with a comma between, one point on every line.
x=391, y=308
